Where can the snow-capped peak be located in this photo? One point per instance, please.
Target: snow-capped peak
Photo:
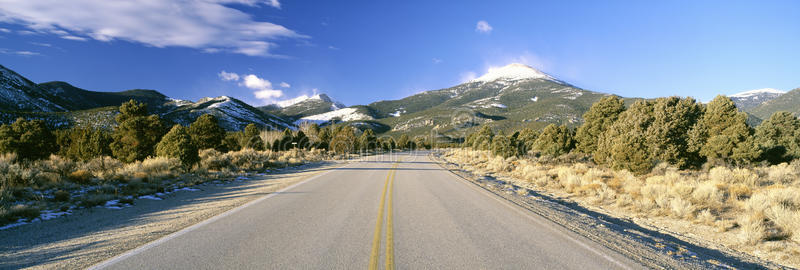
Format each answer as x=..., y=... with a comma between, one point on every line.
x=512, y=72
x=301, y=98
x=758, y=92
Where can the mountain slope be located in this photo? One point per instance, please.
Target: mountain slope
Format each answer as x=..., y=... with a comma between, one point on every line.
x=61, y=105
x=507, y=98
x=233, y=114
x=751, y=99
x=790, y=102
x=303, y=106
x=20, y=94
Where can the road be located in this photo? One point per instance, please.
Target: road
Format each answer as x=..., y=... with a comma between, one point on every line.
x=400, y=211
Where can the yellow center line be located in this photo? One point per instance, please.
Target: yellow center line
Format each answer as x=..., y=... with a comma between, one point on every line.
x=389, y=232
x=376, y=238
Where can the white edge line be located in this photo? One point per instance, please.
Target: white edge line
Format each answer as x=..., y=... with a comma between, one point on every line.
x=528, y=215
x=166, y=238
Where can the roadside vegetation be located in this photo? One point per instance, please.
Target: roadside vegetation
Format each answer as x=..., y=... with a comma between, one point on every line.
x=49, y=171
x=697, y=169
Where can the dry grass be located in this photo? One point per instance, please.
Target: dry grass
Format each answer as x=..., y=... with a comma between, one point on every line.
x=756, y=209
x=57, y=182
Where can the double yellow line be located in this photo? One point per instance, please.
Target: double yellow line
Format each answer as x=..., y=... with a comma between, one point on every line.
x=376, y=239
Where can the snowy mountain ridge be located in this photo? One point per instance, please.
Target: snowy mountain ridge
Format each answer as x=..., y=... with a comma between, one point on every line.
x=513, y=72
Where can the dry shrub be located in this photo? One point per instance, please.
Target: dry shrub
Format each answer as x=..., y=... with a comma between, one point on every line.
x=153, y=168
x=213, y=160
x=752, y=229
x=56, y=164
x=11, y=173
x=80, y=176
x=249, y=159
x=104, y=168
x=681, y=208
x=782, y=174
x=12, y=214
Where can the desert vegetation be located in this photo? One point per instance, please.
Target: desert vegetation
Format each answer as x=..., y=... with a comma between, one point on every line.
x=44, y=170
x=695, y=168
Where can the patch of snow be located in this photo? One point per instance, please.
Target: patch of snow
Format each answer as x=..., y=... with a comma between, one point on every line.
x=398, y=112
x=498, y=105
x=535, y=99
x=50, y=214
x=187, y=189
x=346, y=114
x=512, y=72
x=752, y=93
x=19, y=222
x=150, y=197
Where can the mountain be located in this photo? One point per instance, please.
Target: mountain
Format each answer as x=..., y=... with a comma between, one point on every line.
x=751, y=99
x=233, y=114
x=20, y=94
x=507, y=98
x=61, y=105
x=303, y=106
x=790, y=102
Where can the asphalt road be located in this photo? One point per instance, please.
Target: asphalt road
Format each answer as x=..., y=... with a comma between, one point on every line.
x=400, y=211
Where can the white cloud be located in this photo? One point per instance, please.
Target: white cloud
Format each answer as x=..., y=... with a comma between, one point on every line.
x=437, y=60
x=263, y=88
x=483, y=27
x=22, y=53
x=228, y=76
x=5, y=30
x=285, y=85
x=76, y=38
x=199, y=24
x=333, y=47
x=468, y=76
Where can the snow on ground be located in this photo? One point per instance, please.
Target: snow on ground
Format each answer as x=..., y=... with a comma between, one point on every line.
x=498, y=105
x=512, y=72
x=757, y=92
x=535, y=99
x=398, y=112
x=346, y=114
x=150, y=197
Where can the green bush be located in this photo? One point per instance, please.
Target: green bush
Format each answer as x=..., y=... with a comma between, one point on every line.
x=30, y=140
x=206, y=133
x=178, y=144
x=136, y=135
x=555, y=140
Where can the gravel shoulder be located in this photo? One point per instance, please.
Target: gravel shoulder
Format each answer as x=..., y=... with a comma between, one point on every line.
x=649, y=245
x=90, y=236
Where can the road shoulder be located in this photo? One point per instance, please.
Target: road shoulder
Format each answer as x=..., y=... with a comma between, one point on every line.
x=97, y=234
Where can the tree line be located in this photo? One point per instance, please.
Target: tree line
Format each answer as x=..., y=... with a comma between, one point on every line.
x=139, y=135
x=678, y=131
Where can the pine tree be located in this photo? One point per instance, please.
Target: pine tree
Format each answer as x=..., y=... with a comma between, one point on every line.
x=597, y=120
x=206, y=133
x=368, y=142
x=525, y=140
x=502, y=145
x=668, y=134
x=555, y=140
x=344, y=140
x=87, y=143
x=324, y=138
x=402, y=142
x=624, y=144
x=30, y=140
x=252, y=138
x=722, y=134
x=301, y=141
x=136, y=134
x=178, y=144
x=482, y=140
x=231, y=142
x=779, y=137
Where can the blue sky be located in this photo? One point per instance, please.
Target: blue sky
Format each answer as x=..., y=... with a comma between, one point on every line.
x=363, y=51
